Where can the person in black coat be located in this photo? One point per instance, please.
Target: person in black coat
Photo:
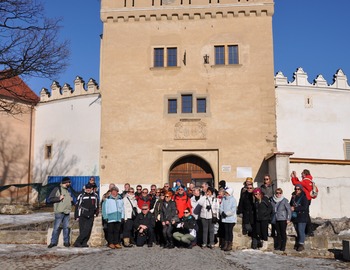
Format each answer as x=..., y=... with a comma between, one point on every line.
x=86, y=209
x=300, y=212
x=245, y=207
x=144, y=225
x=262, y=216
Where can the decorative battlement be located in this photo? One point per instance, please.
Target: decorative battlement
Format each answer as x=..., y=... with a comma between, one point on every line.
x=58, y=92
x=340, y=80
x=154, y=10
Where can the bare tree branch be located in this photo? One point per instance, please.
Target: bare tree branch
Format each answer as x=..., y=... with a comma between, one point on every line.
x=29, y=45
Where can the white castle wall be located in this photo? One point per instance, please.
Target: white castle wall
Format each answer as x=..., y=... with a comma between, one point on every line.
x=69, y=120
x=312, y=119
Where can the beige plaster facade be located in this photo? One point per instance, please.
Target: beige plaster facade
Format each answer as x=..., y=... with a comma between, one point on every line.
x=140, y=139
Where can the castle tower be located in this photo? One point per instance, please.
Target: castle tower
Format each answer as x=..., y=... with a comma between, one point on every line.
x=187, y=90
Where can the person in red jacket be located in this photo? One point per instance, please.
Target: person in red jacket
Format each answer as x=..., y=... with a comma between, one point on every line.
x=182, y=201
x=306, y=182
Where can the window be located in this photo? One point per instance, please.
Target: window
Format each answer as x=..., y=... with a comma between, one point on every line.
x=165, y=57
x=172, y=57
x=201, y=105
x=232, y=54
x=186, y=103
x=172, y=105
x=226, y=55
x=159, y=57
x=48, y=151
x=219, y=55
x=347, y=149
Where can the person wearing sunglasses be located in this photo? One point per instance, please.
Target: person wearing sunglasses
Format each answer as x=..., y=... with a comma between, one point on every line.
x=300, y=211
x=245, y=208
x=262, y=215
x=280, y=218
x=131, y=211
x=185, y=229
x=144, y=226
x=168, y=217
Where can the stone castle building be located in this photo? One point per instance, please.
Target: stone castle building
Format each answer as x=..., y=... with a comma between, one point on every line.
x=187, y=89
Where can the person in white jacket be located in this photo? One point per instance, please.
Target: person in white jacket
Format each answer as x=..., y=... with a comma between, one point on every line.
x=209, y=215
x=131, y=210
x=228, y=209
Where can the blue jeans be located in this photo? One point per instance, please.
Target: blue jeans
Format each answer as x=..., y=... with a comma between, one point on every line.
x=60, y=218
x=300, y=228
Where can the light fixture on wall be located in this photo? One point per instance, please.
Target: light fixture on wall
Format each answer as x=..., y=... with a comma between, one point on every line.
x=206, y=59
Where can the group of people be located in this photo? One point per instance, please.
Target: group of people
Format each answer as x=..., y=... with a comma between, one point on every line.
x=266, y=205
x=169, y=216
x=185, y=216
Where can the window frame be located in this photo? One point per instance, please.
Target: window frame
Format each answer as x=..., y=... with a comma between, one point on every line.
x=169, y=58
x=226, y=54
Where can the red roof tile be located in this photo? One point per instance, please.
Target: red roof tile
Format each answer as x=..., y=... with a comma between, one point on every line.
x=17, y=89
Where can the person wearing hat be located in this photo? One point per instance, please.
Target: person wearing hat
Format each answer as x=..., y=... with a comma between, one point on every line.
x=178, y=184
x=86, y=208
x=262, y=215
x=248, y=181
x=113, y=212
x=62, y=206
x=228, y=208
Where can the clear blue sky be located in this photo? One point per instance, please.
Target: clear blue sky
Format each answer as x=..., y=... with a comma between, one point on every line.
x=312, y=34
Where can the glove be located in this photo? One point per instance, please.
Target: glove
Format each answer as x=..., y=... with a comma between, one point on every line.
x=208, y=207
x=223, y=215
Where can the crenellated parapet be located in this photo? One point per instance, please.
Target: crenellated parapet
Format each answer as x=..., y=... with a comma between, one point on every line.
x=340, y=80
x=155, y=10
x=58, y=92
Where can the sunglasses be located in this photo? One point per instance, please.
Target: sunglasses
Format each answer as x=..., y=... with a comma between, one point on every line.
x=180, y=189
x=144, y=192
x=138, y=188
x=297, y=189
x=250, y=188
x=158, y=192
x=278, y=193
x=144, y=209
x=167, y=196
x=186, y=212
x=266, y=178
x=153, y=189
x=131, y=192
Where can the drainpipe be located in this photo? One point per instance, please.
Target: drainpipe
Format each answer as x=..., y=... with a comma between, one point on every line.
x=30, y=150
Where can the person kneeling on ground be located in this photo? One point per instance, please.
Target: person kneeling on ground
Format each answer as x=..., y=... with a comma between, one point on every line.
x=186, y=232
x=144, y=226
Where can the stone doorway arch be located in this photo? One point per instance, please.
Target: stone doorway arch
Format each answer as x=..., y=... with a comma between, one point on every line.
x=191, y=169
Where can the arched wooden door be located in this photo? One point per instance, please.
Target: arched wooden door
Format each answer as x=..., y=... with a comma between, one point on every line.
x=191, y=169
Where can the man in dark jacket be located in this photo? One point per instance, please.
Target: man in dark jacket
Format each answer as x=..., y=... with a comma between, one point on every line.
x=85, y=210
x=144, y=225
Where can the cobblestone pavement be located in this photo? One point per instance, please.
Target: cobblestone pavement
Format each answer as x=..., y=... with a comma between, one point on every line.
x=40, y=257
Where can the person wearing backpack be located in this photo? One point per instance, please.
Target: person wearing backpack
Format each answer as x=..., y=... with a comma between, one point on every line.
x=308, y=186
x=86, y=208
x=62, y=205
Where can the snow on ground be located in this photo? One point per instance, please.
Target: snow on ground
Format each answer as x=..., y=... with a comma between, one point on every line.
x=256, y=259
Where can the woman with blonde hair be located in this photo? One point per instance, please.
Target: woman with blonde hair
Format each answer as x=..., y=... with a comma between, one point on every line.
x=281, y=217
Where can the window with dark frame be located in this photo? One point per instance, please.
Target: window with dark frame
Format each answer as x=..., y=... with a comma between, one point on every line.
x=186, y=105
x=172, y=105
x=201, y=105
x=232, y=55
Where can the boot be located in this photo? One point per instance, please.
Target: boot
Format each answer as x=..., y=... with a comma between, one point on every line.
x=167, y=244
x=224, y=245
x=229, y=246
x=300, y=247
x=171, y=244
x=127, y=243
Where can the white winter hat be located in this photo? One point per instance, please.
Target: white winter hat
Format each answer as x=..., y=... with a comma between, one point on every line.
x=229, y=191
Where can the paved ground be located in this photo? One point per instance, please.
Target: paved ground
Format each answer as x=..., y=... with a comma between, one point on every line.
x=40, y=257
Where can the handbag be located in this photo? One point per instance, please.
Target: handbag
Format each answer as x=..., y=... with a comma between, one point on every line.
x=214, y=219
x=134, y=210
